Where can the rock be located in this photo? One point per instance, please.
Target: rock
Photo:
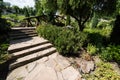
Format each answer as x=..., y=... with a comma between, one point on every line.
x=42, y=72
x=51, y=63
x=60, y=76
x=97, y=59
x=71, y=74
x=62, y=63
x=86, y=66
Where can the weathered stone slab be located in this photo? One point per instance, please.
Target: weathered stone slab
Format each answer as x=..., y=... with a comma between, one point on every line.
x=62, y=63
x=60, y=76
x=71, y=74
x=51, y=63
x=42, y=73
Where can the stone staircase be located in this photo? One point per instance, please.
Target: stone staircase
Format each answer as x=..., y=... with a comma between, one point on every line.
x=34, y=58
x=24, y=49
x=24, y=32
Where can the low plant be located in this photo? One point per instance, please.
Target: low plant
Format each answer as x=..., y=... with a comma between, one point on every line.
x=3, y=52
x=92, y=49
x=66, y=41
x=103, y=71
x=111, y=53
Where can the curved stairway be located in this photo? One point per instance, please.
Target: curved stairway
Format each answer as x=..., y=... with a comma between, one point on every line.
x=34, y=58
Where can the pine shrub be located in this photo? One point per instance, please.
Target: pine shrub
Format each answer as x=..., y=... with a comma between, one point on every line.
x=65, y=40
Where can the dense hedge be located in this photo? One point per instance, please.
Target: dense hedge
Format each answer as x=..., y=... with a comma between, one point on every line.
x=66, y=41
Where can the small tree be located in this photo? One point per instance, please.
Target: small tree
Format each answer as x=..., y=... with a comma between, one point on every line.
x=78, y=9
x=46, y=7
x=26, y=12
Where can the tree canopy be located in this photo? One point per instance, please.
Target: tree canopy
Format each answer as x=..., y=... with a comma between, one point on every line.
x=80, y=10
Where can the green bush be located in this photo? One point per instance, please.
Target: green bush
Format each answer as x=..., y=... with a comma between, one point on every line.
x=3, y=52
x=111, y=53
x=94, y=21
x=98, y=37
x=66, y=41
x=102, y=25
x=95, y=39
x=92, y=49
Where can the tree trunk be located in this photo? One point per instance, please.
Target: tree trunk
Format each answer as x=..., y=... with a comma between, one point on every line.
x=81, y=27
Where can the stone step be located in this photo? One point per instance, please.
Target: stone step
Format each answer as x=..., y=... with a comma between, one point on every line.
x=29, y=51
x=14, y=48
x=21, y=33
x=23, y=28
x=23, y=36
x=30, y=58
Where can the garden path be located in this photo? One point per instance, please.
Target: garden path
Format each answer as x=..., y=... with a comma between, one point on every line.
x=35, y=58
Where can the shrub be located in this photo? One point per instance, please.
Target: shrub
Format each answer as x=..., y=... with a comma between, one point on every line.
x=94, y=21
x=98, y=37
x=66, y=41
x=3, y=52
x=95, y=38
x=111, y=53
x=102, y=25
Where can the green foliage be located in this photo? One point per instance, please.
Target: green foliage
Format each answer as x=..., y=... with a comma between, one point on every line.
x=3, y=52
x=102, y=25
x=66, y=41
x=118, y=7
x=95, y=38
x=103, y=71
x=94, y=21
x=46, y=7
x=111, y=53
x=92, y=49
x=13, y=19
x=79, y=10
x=105, y=23
x=98, y=36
